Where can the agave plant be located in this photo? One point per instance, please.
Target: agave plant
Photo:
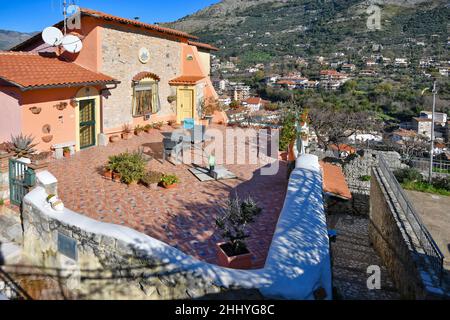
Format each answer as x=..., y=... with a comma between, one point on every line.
x=22, y=146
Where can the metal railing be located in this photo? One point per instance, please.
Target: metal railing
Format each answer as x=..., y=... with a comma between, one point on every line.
x=439, y=167
x=432, y=254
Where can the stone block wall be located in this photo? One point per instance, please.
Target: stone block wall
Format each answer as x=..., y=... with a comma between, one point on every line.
x=395, y=241
x=120, y=60
x=107, y=268
x=4, y=177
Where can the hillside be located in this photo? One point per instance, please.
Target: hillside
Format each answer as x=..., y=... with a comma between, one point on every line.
x=264, y=30
x=10, y=38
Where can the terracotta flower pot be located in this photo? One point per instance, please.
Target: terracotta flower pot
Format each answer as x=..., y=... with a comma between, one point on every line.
x=127, y=136
x=242, y=261
x=117, y=177
x=108, y=174
x=66, y=154
x=283, y=155
x=114, y=138
x=169, y=186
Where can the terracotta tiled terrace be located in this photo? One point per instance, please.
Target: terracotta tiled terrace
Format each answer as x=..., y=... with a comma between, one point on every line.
x=183, y=217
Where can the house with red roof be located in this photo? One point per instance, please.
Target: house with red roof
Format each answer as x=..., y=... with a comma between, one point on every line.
x=128, y=73
x=342, y=150
x=254, y=103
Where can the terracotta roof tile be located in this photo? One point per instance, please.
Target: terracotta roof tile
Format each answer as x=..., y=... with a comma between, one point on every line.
x=32, y=71
x=109, y=17
x=142, y=75
x=254, y=100
x=334, y=181
x=203, y=45
x=186, y=80
x=343, y=147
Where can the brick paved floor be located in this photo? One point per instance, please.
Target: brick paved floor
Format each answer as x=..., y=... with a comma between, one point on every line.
x=352, y=255
x=182, y=217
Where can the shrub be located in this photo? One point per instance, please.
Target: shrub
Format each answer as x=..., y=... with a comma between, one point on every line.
x=22, y=146
x=271, y=107
x=2, y=202
x=147, y=127
x=131, y=166
x=172, y=122
x=234, y=221
x=66, y=149
x=408, y=175
x=151, y=177
x=441, y=183
x=365, y=178
x=288, y=131
x=169, y=179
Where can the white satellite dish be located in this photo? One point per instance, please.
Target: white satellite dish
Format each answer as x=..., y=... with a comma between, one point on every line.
x=52, y=36
x=72, y=43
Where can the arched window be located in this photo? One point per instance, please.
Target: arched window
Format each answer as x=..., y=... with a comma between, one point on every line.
x=145, y=94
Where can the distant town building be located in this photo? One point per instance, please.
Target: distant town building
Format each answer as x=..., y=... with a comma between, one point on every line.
x=348, y=67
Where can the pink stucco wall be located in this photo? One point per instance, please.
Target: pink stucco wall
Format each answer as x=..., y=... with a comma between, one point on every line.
x=11, y=118
x=62, y=123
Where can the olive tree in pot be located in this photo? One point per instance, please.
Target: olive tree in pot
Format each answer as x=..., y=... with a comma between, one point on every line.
x=233, y=223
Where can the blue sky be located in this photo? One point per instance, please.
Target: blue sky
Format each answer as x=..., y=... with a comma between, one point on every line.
x=35, y=15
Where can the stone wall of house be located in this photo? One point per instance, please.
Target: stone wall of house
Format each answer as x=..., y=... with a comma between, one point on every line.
x=395, y=241
x=4, y=177
x=120, y=60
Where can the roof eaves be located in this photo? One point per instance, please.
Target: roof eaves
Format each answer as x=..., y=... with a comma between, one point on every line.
x=69, y=85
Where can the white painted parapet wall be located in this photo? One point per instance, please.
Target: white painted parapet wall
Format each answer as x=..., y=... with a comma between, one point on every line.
x=298, y=262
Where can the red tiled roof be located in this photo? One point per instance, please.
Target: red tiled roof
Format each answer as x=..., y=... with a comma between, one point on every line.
x=343, y=147
x=186, y=80
x=33, y=71
x=203, y=45
x=254, y=100
x=142, y=75
x=422, y=119
x=108, y=17
x=334, y=181
x=405, y=133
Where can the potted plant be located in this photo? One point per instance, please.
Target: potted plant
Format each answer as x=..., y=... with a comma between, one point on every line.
x=148, y=127
x=114, y=138
x=127, y=132
x=151, y=179
x=66, y=152
x=127, y=167
x=233, y=224
x=21, y=146
x=171, y=99
x=171, y=123
x=138, y=130
x=55, y=202
x=169, y=181
x=158, y=125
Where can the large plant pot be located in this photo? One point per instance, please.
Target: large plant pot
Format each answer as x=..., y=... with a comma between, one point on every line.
x=283, y=155
x=108, y=174
x=169, y=186
x=117, y=177
x=127, y=136
x=242, y=261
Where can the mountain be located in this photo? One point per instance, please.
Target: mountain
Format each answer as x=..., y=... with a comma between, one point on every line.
x=10, y=38
x=265, y=30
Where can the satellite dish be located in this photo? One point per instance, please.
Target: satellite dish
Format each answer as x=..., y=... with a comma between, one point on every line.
x=72, y=43
x=52, y=36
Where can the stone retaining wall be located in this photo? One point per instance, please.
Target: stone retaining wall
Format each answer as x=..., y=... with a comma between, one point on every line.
x=106, y=261
x=393, y=238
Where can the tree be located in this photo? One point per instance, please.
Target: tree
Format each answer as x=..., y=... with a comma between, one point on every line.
x=333, y=126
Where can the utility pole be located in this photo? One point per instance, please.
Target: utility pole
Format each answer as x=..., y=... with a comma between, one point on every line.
x=430, y=176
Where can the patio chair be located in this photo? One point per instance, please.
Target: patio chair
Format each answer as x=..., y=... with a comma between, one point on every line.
x=174, y=148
